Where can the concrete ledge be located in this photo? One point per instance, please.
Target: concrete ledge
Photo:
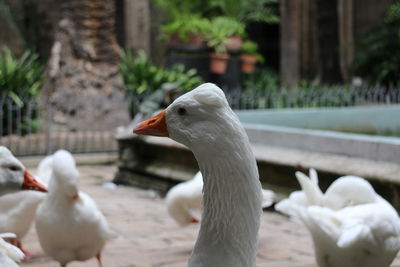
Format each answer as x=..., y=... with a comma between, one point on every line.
x=353, y=145
x=159, y=163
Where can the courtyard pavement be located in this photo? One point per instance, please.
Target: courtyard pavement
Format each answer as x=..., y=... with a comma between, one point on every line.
x=145, y=236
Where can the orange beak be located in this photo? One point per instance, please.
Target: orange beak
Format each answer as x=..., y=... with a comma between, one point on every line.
x=30, y=183
x=194, y=220
x=155, y=126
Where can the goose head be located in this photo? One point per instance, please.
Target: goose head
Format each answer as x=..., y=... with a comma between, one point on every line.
x=14, y=176
x=349, y=191
x=199, y=119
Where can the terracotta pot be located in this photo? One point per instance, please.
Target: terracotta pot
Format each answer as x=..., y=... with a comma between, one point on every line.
x=194, y=40
x=218, y=63
x=248, y=63
x=234, y=43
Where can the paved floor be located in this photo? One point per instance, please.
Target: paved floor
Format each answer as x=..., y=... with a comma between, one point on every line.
x=147, y=237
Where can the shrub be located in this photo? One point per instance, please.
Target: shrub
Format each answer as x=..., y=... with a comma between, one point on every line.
x=20, y=82
x=20, y=78
x=378, y=58
x=141, y=75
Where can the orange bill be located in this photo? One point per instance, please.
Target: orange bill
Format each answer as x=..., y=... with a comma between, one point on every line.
x=155, y=126
x=30, y=183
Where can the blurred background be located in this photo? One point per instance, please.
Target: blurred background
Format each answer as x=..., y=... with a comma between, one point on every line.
x=72, y=72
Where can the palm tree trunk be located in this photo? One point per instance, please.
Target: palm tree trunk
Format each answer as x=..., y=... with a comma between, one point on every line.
x=83, y=82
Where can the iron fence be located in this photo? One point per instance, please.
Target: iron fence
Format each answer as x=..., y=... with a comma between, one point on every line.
x=310, y=97
x=34, y=128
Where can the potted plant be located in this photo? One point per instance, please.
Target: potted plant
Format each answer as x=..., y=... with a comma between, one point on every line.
x=223, y=34
x=232, y=30
x=185, y=30
x=250, y=56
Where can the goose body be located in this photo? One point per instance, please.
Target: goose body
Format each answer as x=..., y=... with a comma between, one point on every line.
x=184, y=200
x=17, y=212
x=203, y=121
x=351, y=226
x=14, y=176
x=69, y=224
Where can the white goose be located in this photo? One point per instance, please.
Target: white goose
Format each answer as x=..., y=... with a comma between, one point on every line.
x=9, y=254
x=14, y=176
x=17, y=211
x=69, y=224
x=184, y=200
x=203, y=121
x=352, y=225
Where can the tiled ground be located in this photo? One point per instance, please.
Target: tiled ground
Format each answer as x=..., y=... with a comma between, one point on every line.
x=147, y=237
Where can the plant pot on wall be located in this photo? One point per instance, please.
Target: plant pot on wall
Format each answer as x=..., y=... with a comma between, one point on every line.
x=218, y=62
x=248, y=63
x=233, y=43
x=193, y=40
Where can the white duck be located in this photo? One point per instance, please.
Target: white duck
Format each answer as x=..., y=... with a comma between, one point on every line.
x=352, y=225
x=203, y=121
x=9, y=254
x=69, y=224
x=14, y=176
x=184, y=200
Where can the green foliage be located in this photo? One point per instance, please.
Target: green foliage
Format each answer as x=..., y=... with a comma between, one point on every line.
x=183, y=25
x=378, y=58
x=393, y=13
x=262, y=79
x=220, y=29
x=141, y=75
x=251, y=48
x=20, y=78
x=175, y=8
x=248, y=10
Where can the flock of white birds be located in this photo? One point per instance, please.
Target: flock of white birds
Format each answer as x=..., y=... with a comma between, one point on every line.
x=350, y=224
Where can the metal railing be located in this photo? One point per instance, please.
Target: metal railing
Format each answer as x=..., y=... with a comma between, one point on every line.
x=35, y=129
x=309, y=97
x=31, y=129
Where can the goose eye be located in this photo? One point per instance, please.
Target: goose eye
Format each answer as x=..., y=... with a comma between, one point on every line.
x=14, y=168
x=182, y=111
